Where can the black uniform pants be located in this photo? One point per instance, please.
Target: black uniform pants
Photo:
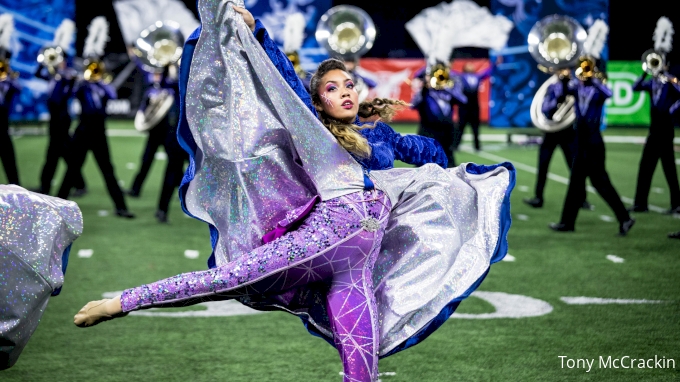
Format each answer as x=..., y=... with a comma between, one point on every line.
x=589, y=162
x=91, y=135
x=7, y=155
x=442, y=132
x=174, y=170
x=468, y=114
x=566, y=139
x=58, y=147
x=658, y=146
x=156, y=138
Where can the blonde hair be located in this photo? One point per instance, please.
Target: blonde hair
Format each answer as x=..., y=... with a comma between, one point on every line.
x=347, y=134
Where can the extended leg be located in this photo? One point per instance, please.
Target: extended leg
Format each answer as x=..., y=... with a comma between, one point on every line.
x=670, y=170
x=100, y=149
x=7, y=155
x=153, y=142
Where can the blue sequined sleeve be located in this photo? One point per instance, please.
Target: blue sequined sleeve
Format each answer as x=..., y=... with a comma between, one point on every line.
x=412, y=149
x=282, y=64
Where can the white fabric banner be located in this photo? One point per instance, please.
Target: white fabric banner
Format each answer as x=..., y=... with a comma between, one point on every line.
x=136, y=15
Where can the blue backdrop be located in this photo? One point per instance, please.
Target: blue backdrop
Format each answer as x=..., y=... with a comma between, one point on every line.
x=516, y=80
x=35, y=22
x=273, y=15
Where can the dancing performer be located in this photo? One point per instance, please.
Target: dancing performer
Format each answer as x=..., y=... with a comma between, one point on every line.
x=9, y=88
x=36, y=232
x=435, y=95
x=61, y=79
x=589, y=162
x=360, y=229
x=664, y=92
x=566, y=139
x=90, y=134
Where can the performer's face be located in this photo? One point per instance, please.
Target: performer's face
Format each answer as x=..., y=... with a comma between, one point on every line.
x=339, y=100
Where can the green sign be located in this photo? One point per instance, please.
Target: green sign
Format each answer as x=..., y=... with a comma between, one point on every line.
x=626, y=107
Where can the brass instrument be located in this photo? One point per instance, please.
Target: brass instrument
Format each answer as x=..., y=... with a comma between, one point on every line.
x=5, y=70
x=586, y=70
x=294, y=58
x=556, y=43
x=158, y=47
x=439, y=77
x=95, y=71
x=347, y=32
x=51, y=57
x=653, y=63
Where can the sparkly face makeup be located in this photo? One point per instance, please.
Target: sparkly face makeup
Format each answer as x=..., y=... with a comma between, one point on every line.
x=338, y=98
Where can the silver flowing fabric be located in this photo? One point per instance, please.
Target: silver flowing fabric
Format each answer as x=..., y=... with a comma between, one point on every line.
x=35, y=230
x=261, y=152
x=444, y=229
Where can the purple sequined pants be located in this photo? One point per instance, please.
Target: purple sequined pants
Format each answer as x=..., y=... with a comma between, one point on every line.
x=338, y=241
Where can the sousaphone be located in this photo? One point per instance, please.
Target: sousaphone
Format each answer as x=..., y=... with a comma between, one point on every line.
x=157, y=47
x=347, y=32
x=556, y=43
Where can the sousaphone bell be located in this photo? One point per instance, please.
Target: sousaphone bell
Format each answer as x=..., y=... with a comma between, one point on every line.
x=556, y=43
x=347, y=32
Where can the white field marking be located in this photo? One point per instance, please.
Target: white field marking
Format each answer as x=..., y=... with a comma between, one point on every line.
x=523, y=188
x=615, y=259
x=602, y=301
x=509, y=257
x=657, y=190
x=191, y=254
x=85, y=253
x=121, y=183
x=508, y=306
x=555, y=177
x=103, y=213
x=161, y=155
x=522, y=138
x=677, y=161
x=522, y=217
x=606, y=218
x=124, y=133
x=130, y=166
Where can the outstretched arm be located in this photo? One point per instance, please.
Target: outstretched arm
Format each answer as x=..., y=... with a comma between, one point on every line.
x=413, y=149
x=277, y=57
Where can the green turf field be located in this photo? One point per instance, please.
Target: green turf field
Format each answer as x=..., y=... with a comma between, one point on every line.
x=217, y=346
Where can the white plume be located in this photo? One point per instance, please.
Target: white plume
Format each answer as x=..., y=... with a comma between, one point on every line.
x=6, y=30
x=97, y=36
x=64, y=34
x=597, y=37
x=294, y=32
x=663, y=35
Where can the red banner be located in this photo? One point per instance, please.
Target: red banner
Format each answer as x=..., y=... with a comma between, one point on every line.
x=393, y=77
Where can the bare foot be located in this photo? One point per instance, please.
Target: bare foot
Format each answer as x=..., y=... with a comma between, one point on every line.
x=98, y=311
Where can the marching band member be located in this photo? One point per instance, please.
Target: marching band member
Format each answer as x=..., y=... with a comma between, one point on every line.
x=468, y=113
x=93, y=94
x=565, y=138
x=664, y=92
x=589, y=162
x=61, y=79
x=435, y=95
x=9, y=88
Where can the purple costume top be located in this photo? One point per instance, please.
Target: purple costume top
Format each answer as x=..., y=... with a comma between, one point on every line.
x=259, y=156
x=590, y=98
x=665, y=98
x=436, y=106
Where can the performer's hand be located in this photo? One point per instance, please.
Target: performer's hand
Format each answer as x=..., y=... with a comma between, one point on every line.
x=247, y=17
